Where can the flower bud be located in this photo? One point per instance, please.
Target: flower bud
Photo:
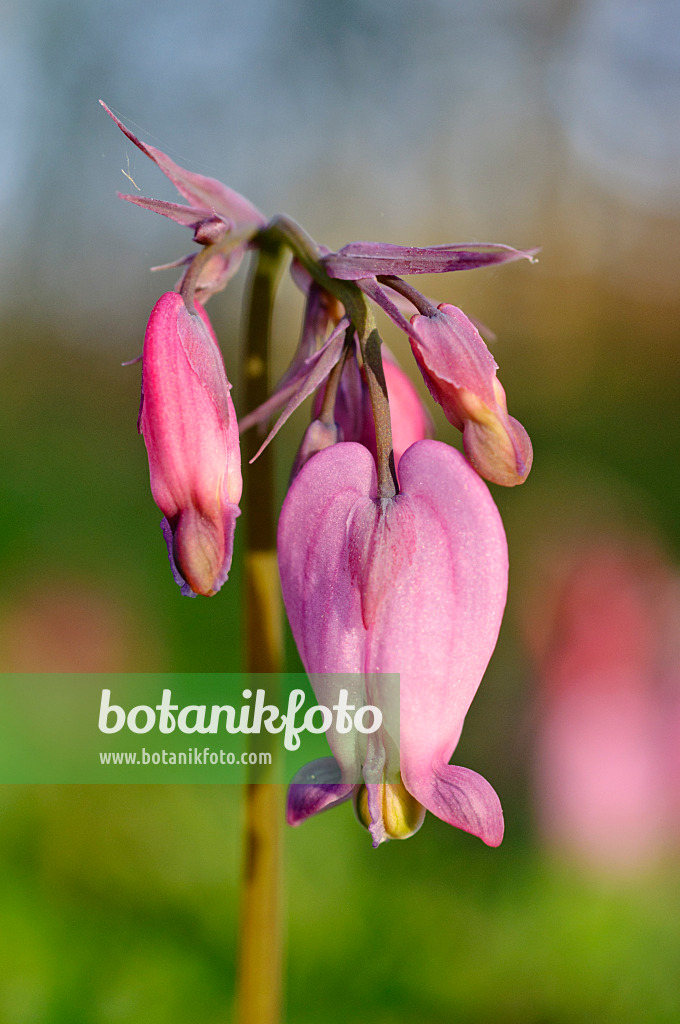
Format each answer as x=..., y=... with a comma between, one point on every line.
x=460, y=374
x=189, y=425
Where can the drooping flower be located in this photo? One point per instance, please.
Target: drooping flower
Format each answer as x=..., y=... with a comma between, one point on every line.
x=456, y=365
x=189, y=426
x=413, y=585
x=460, y=373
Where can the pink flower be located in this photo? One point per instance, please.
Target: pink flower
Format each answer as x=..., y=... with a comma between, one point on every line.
x=601, y=771
x=460, y=373
x=189, y=425
x=413, y=585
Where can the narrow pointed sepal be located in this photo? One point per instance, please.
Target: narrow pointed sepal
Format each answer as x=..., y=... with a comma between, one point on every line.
x=200, y=190
x=310, y=375
x=374, y=259
x=188, y=216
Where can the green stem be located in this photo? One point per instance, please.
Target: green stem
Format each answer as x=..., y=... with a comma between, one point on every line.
x=259, y=981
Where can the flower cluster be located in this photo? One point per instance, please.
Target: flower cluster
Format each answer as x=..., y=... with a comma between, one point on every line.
x=391, y=551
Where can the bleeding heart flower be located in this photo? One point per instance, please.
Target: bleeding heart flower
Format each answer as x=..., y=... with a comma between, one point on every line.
x=414, y=585
x=189, y=425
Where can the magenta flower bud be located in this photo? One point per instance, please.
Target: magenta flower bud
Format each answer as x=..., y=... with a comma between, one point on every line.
x=460, y=374
x=191, y=434
x=413, y=585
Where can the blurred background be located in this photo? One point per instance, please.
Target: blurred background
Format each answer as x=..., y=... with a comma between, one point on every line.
x=529, y=122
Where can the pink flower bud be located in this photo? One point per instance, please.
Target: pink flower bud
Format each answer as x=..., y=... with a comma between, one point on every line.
x=189, y=425
x=317, y=436
x=413, y=585
x=460, y=373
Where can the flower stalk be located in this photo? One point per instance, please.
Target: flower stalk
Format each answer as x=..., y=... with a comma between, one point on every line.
x=260, y=934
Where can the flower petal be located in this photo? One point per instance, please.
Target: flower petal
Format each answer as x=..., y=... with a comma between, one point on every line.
x=460, y=797
x=191, y=435
x=460, y=374
x=314, y=788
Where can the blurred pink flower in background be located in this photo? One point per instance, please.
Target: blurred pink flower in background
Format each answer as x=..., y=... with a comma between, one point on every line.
x=68, y=624
x=599, y=638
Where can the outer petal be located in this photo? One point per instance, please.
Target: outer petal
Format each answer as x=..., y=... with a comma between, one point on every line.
x=462, y=798
x=324, y=609
x=414, y=586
